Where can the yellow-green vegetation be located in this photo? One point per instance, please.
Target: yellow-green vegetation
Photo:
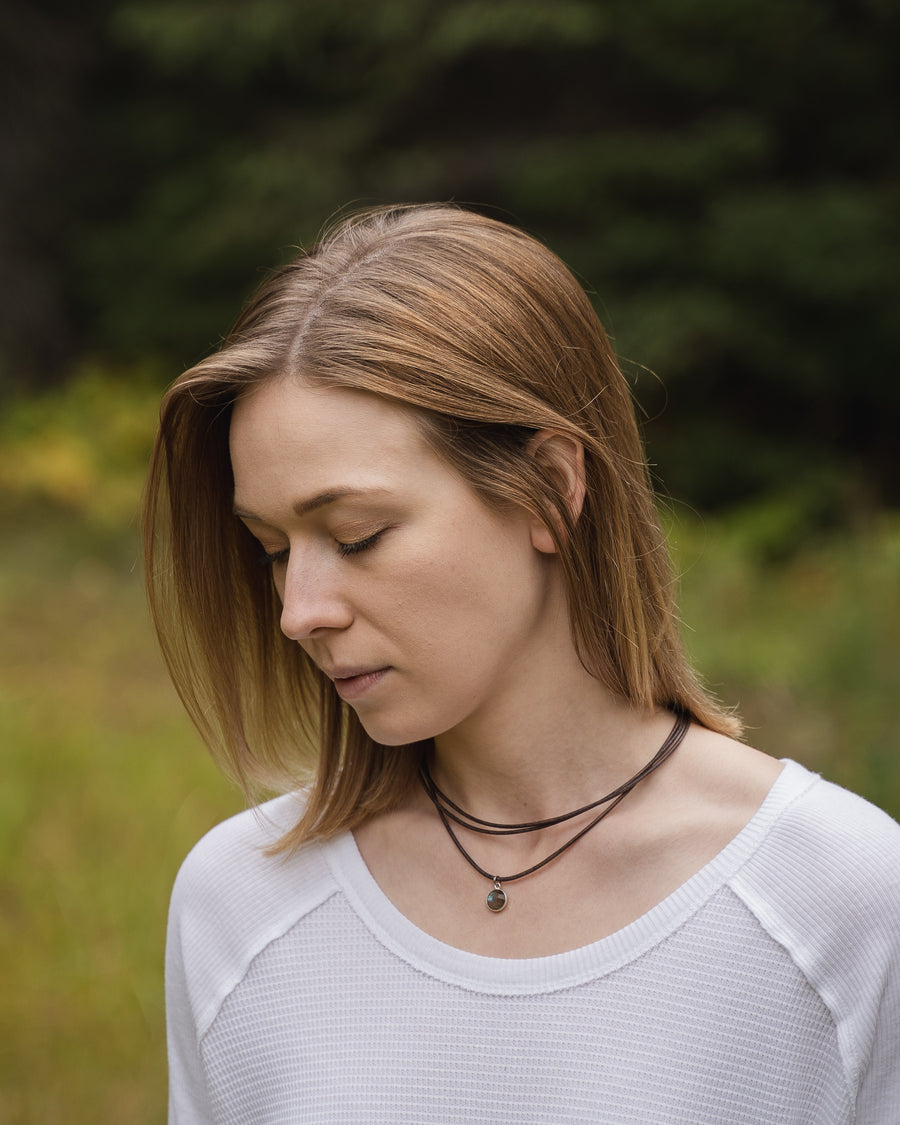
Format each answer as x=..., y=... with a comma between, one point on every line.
x=105, y=787
x=801, y=631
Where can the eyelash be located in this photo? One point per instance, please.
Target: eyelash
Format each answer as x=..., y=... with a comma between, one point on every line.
x=343, y=549
x=269, y=560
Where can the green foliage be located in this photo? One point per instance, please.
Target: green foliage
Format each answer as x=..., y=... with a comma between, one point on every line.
x=82, y=448
x=721, y=172
x=799, y=627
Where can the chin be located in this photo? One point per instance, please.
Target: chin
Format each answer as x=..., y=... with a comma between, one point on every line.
x=398, y=733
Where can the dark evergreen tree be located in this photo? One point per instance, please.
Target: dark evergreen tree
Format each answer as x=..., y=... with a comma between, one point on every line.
x=722, y=174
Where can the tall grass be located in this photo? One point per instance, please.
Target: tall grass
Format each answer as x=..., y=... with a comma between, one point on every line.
x=105, y=787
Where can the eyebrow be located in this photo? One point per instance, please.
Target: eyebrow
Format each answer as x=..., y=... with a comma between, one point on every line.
x=320, y=500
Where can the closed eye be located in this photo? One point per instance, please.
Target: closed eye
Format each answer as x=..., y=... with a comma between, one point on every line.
x=360, y=545
x=270, y=558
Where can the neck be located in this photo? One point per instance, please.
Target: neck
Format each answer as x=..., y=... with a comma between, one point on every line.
x=549, y=736
x=572, y=744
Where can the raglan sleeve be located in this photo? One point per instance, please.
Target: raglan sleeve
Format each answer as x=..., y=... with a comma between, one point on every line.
x=230, y=899
x=826, y=885
x=188, y=1095
x=878, y=1097
x=859, y=944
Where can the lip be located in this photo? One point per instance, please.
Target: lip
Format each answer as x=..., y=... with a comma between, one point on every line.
x=353, y=684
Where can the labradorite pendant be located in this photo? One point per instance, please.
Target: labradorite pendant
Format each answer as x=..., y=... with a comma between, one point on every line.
x=496, y=899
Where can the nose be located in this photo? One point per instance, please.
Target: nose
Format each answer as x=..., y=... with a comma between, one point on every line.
x=311, y=600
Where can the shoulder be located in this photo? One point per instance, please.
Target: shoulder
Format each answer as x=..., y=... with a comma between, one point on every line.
x=826, y=836
x=231, y=900
x=230, y=870
x=825, y=883
x=813, y=852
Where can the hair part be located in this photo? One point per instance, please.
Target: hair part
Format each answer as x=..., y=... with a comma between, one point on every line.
x=490, y=338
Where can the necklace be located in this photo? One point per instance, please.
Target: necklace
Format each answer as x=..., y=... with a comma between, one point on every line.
x=448, y=811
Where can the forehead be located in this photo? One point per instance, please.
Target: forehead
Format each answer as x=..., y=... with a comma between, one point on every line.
x=288, y=429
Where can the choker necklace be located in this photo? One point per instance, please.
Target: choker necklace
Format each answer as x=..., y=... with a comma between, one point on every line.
x=497, y=898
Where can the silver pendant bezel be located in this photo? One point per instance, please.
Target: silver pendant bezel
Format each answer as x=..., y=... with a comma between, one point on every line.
x=498, y=895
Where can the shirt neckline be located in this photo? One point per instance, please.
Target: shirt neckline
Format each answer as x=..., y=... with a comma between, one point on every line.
x=527, y=976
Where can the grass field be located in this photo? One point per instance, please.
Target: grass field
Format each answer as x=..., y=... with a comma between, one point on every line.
x=104, y=790
x=105, y=787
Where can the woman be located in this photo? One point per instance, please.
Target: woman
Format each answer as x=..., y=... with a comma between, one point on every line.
x=406, y=568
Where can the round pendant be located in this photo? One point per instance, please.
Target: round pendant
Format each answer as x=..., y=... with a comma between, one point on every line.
x=496, y=899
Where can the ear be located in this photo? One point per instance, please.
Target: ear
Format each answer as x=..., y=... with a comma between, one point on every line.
x=562, y=458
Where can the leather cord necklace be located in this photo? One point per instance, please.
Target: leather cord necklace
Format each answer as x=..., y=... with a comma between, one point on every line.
x=448, y=811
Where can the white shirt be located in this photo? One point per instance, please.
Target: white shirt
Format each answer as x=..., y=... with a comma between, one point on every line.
x=764, y=990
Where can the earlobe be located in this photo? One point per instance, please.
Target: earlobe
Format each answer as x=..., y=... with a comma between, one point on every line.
x=562, y=458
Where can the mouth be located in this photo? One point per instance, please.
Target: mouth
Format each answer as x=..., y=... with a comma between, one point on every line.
x=352, y=684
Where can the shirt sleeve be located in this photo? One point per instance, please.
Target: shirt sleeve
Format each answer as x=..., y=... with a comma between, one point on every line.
x=229, y=901
x=826, y=885
x=188, y=1096
x=878, y=1101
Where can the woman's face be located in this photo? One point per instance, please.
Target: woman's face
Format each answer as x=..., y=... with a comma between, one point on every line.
x=427, y=609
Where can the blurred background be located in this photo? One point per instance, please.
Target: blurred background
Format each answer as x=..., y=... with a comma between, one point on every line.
x=722, y=175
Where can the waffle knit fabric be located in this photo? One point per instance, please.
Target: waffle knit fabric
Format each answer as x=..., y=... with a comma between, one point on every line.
x=765, y=990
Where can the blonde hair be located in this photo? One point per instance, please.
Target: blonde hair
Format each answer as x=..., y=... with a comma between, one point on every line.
x=487, y=334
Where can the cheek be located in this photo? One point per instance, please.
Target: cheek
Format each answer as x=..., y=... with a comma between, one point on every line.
x=481, y=590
